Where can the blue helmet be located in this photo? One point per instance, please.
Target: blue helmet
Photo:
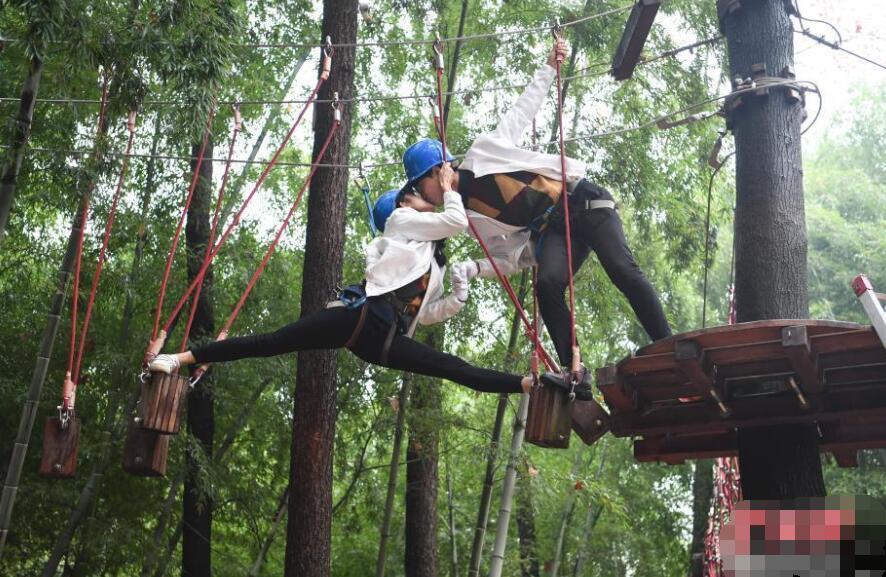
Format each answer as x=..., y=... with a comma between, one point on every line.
x=383, y=208
x=421, y=157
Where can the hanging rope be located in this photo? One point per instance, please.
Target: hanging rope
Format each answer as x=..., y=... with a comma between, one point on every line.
x=238, y=124
x=72, y=377
x=158, y=341
x=362, y=183
x=198, y=373
x=531, y=332
x=564, y=199
x=181, y=221
x=67, y=406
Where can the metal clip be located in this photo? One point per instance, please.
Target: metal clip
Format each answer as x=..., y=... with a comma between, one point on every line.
x=130, y=122
x=238, y=119
x=438, y=52
x=336, y=111
x=328, y=51
x=557, y=29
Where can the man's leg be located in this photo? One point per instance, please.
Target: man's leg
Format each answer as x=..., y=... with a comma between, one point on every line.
x=601, y=228
x=553, y=281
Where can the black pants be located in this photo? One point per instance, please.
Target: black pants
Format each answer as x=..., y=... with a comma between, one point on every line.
x=331, y=329
x=599, y=230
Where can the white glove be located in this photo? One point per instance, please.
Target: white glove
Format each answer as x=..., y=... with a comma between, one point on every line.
x=470, y=268
x=459, y=282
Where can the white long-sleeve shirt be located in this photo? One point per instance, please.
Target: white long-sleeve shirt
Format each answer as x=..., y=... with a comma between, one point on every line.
x=405, y=252
x=499, y=152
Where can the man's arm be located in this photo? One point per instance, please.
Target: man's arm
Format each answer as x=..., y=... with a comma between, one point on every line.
x=519, y=117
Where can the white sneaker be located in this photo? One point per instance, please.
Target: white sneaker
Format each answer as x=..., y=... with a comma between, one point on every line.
x=164, y=364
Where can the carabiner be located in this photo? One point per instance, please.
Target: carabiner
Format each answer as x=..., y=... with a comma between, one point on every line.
x=438, y=52
x=238, y=119
x=336, y=111
x=557, y=29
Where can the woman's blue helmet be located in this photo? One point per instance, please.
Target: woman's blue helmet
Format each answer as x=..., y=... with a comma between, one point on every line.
x=383, y=208
x=421, y=157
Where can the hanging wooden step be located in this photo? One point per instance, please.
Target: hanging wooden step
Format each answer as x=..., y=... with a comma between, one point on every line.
x=60, y=446
x=589, y=420
x=685, y=396
x=549, y=423
x=161, y=402
x=145, y=451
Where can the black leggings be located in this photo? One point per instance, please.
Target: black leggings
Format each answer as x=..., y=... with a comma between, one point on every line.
x=599, y=230
x=331, y=329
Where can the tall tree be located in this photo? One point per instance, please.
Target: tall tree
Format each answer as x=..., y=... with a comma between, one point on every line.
x=309, y=525
x=777, y=462
x=420, y=559
x=702, y=491
x=196, y=503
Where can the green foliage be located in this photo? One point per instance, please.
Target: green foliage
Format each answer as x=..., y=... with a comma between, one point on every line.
x=172, y=60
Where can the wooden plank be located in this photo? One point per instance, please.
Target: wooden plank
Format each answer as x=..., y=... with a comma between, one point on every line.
x=646, y=364
x=681, y=448
x=747, y=353
x=589, y=420
x=60, y=447
x=634, y=38
x=846, y=459
x=856, y=376
x=852, y=359
x=795, y=341
x=609, y=383
x=752, y=412
x=748, y=333
x=852, y=340
x=690, y=358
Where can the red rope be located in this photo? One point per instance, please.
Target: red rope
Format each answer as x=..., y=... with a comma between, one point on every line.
x=215, y=217
x=530, y=332
x=564, y=194
x=271, y=248
x=235, y=220
x=102, y=255
x=84, y=217
x=181, y=221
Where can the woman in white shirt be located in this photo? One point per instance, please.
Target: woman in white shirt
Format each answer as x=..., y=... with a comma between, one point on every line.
x=375, y=320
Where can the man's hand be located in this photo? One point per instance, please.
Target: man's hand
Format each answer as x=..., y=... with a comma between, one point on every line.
x=446, y=177
x=559, y=49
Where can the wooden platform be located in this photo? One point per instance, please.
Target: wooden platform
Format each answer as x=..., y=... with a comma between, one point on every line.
x=685, y=396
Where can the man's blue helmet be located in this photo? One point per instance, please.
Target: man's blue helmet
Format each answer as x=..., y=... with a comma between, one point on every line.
x=383, y=208
x=421, y=157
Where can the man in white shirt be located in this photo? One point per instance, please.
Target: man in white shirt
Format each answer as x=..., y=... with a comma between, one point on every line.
x=512, y=196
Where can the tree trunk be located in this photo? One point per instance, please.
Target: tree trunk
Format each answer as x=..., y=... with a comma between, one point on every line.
x=702, y=491
x=507, y=490
x=41, y=366
x=566, y=517
x=420, y=559
x=114, y=419
x=526, y=529
x=770, y=263
x=385, y=531
x=255, y=570
x=453, y=541
x=196, y=507
x=218, y=457
x=309, y=526
x=453, y=67
x=591, y=518
x=494, y=443
x=21, y=132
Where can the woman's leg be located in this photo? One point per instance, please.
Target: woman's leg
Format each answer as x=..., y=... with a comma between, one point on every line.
x=409, y=355
x=324, y=329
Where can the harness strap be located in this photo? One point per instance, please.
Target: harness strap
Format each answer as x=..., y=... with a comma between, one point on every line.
x=389, y=339
x=358, y=328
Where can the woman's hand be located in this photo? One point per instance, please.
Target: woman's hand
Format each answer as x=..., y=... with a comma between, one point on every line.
x=446, y=177
x=558, y=52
